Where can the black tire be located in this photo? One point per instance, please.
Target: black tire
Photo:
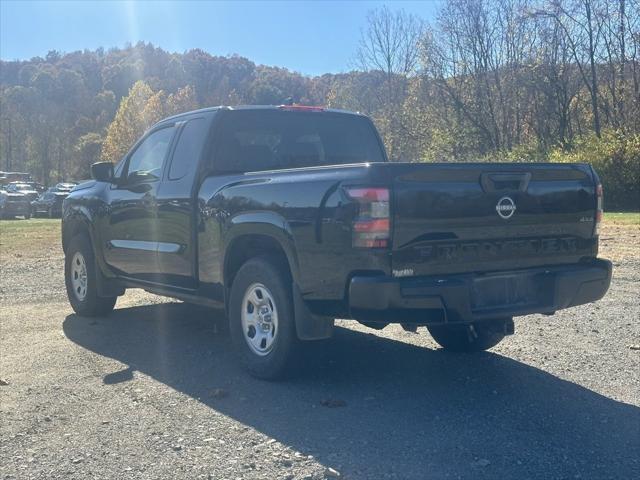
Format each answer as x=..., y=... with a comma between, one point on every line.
x=475, y=337
x=280, y=360
x=89, y=304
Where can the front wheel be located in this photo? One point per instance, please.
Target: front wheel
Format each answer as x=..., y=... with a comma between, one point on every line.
x=81, y=280
x=474, y=337
x=261, y=318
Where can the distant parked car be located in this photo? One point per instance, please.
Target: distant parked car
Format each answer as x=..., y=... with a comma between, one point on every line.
x=65, y=186
x=27, y=188
x=40, y=188
x=14, y=204
x=8, y=177
x=49, y=203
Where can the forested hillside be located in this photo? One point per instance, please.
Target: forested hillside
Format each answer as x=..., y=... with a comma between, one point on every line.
x=514, y=80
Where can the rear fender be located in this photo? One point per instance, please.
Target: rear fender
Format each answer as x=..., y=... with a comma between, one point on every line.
x=269, y=224
x=275, y=227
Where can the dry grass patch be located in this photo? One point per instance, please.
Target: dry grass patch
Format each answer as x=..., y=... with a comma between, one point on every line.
x=34, y=237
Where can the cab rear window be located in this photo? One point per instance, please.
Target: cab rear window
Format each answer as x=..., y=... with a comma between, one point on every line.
x=274, y=140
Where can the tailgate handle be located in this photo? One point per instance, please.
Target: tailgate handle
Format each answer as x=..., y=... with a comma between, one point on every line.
x=494, y=182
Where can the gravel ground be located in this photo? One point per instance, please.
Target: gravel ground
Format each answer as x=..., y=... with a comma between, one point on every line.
x=153, y=391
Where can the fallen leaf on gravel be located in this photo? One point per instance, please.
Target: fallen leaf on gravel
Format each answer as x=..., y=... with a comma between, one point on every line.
x=332, y=473
x=634, y=347
x=332, y=403
x=218, y=393
x=3, y=382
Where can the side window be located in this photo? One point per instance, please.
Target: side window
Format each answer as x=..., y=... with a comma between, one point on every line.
x=187, y=152
x=146, y=161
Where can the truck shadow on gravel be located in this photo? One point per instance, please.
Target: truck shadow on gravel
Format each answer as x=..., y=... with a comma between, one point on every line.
x=401, y=411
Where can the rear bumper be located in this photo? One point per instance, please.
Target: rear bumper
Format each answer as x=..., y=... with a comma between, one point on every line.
x=476, y=297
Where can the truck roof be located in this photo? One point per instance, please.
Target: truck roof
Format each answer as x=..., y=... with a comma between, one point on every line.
x=290, y=108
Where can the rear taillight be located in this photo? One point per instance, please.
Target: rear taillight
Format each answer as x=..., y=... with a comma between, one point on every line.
x=599, y=211
x=371, y=226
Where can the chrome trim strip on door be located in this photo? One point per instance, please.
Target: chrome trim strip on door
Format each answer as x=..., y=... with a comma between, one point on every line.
x=166, y=247
x=162, y=247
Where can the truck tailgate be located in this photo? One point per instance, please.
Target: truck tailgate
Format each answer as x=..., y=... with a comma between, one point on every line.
x=454, y=218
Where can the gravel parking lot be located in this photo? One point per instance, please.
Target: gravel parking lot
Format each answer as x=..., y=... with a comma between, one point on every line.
x=154, y=391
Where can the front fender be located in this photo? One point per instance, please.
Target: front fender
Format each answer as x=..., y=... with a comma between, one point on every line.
x=85, y=214
x=76, y=218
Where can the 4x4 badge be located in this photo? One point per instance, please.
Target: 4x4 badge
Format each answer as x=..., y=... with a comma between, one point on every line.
x=506, y=207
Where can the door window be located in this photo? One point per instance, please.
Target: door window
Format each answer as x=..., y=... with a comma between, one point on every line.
x=188, y=149
x=146, y=161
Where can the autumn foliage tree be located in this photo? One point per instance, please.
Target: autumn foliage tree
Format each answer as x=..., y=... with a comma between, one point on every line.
x=133, y=117
x=508, y=80
x=138, y=111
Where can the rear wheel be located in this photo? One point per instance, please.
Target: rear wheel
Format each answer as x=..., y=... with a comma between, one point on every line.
x=81, y=279
x=261, y=318
x=474, y=337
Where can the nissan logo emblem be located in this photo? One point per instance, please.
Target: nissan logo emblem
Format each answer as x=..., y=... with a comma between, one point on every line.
x=506, y=207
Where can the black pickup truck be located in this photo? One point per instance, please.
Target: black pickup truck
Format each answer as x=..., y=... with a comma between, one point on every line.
x=289, y=217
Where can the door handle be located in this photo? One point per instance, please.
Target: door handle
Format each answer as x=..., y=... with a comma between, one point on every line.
x=497, y=181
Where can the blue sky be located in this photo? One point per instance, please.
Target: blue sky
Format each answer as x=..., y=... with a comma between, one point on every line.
x=306, y=36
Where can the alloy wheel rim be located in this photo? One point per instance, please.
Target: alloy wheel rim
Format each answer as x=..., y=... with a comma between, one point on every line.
x=259, y=319
x=79, y=276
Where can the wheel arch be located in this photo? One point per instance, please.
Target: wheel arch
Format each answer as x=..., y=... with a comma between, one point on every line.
x=254, y=239
x=246, y=246
x=75, y=223
x=78, y=222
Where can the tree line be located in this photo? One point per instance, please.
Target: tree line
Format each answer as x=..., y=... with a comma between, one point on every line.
x=487, y=80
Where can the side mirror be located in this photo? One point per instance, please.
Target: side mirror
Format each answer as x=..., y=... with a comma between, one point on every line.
x=102, y=171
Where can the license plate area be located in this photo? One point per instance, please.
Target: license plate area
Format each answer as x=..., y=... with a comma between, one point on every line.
x=514, y=290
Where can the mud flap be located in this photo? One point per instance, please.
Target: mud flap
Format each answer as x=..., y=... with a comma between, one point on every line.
x=308, y=325
x=107, y=287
